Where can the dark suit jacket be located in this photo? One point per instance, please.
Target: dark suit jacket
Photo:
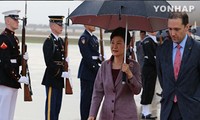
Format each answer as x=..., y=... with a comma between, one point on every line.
x=88, y=46
x=187, y=85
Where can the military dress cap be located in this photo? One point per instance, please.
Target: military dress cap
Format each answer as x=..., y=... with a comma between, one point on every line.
x=14, y=14
x=56, y=19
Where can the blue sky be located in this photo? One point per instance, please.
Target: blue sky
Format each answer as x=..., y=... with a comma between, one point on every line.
x=38, y=11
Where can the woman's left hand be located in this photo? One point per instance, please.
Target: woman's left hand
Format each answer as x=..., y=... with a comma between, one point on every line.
x=126, y=69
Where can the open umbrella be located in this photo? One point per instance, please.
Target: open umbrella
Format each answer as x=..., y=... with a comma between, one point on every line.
x=140, y=15
x=132, y=15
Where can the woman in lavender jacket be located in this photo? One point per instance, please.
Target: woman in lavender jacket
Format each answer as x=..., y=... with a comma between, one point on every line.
x=118, y=103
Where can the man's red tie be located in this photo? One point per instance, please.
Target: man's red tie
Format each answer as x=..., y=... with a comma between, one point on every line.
x=177, y=64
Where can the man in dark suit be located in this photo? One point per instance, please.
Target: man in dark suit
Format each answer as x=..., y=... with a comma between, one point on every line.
x=53, y=80
x=89, y=49
x=178, y=65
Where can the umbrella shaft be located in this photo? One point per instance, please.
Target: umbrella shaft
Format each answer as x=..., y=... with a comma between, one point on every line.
x=125, y=41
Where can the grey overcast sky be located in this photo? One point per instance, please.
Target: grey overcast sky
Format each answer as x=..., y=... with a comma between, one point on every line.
x=38, y=11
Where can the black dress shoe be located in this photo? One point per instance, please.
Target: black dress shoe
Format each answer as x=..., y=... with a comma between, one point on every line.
x=148, y=117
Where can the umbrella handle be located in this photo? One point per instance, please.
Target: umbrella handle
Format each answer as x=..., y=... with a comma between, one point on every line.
x=123, y=78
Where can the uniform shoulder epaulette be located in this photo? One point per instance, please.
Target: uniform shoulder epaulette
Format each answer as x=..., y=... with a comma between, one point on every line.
x=49, y=37
x=3, y=37
x=3, y=33
x=83, y=37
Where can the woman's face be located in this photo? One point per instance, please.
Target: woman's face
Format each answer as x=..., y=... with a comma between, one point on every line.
x=117, y=46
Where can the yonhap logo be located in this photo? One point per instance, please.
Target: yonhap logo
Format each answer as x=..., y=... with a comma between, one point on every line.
x=176, y=8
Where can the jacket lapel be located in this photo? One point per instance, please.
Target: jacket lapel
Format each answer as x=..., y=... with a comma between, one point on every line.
x=53, y=37
x=170, y=60
x=119, y=77
x=110, y=74
x=186, y=53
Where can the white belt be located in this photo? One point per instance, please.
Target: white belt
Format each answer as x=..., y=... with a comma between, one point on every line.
x=95, y=57
x=12, y=60
x=148, y=57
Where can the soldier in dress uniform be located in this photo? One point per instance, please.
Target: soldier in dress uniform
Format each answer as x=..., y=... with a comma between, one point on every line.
x=89, y=49
x=10, y=60
x=149, y=74
x=53, y=80
x=139, y=49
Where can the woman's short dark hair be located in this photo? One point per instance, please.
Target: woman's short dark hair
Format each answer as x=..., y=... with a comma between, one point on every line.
x=121, y=33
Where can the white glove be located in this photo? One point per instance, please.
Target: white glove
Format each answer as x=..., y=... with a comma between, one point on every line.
x=24, y=79
x=100, y=57
x=67, y=59
x=69, y=77
x=65, y=75
x=25, y=56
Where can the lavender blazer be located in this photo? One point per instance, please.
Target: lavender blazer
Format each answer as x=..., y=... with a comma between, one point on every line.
x=118, y=103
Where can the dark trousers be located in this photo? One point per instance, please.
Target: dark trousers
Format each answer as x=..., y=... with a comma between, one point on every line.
x=149, y=77
x=175, y=113
x=86, y=97
x=53, y=103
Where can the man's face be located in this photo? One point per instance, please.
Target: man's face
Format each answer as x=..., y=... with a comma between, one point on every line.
x=11, y=23
x=57, y=29
x=90, y=28
x=177, y=30
x=142, y=35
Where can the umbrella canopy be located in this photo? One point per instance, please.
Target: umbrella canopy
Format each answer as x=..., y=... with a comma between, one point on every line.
x=140, y=15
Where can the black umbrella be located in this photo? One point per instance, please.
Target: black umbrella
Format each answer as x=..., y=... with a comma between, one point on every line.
x=132, y=15
x=140, y=15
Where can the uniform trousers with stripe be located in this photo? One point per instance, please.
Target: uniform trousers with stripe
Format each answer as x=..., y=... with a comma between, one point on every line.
x=8, y=97
x=53, y=103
